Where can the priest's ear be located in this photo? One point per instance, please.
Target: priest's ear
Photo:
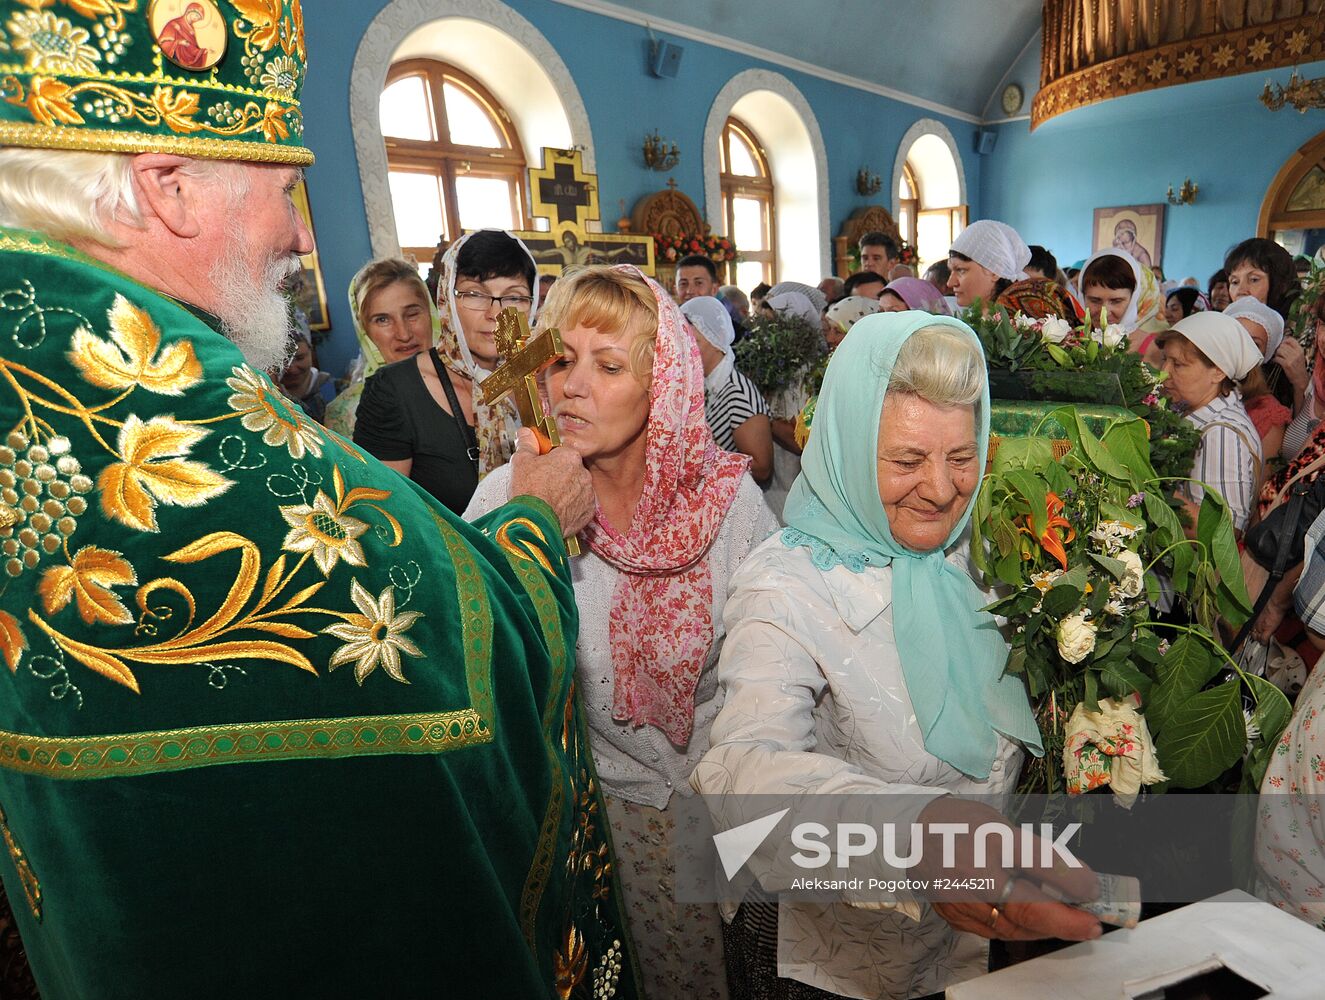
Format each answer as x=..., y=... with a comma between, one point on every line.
x=176, y=192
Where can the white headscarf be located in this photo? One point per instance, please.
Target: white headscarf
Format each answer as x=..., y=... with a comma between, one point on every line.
x=1264, y=317
x=995, y=246
x=845, y=312
x=1129, y=321
x=1223, y=340
x=711, y=319
x=794, y=304
x=816, y=297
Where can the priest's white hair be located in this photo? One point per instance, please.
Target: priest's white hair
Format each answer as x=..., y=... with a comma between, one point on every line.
x=71, y=195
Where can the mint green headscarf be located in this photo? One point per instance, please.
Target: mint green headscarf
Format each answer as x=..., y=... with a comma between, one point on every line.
x=952, y=654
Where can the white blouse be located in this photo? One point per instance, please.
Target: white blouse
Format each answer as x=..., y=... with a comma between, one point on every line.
x=639, y=764
x=816, y=703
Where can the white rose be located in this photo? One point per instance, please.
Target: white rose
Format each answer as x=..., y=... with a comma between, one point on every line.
x=1131, y=584
x=1076, y=637
x=1056, y=330
x=1113, y=335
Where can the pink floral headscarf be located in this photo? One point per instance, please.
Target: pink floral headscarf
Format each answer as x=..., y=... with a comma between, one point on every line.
x=661, y=621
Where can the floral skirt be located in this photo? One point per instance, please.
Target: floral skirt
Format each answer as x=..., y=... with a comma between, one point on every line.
x=678, y=946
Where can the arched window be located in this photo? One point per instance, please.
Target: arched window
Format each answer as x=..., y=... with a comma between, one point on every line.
x=908, y=204
x=454, y=159
x=930, y=192
x=747, y=203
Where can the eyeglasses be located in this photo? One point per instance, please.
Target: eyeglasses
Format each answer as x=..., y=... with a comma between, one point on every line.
x=482, y=301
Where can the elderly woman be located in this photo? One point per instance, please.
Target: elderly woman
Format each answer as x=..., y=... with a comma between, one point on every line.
x=736, y=412
x=425, y=416
x=1207, y=356
x=675, y=517
x=857, y=663
x=842, y=315
x=986, y=257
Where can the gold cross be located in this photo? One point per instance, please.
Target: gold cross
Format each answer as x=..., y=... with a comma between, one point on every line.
x=525, y=357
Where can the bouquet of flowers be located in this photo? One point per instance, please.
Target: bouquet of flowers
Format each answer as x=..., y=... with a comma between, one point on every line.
x=1085, y=363
x=718, y=249
x=1122, y=700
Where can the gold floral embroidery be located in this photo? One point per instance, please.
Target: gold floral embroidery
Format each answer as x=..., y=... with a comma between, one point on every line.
x=328, y=533
x=374, y=637
x=264, y=23
x=153, y=471
x=281, y=77
x=12, y=640
x=131, y=355
x=52, y=44
x=26, y=876
x=50, y=101
x=571, y=962
x=89, y=578
x=522, y=548
x=266, y=410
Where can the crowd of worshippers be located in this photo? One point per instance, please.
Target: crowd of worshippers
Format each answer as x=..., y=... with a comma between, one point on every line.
x=750, y=625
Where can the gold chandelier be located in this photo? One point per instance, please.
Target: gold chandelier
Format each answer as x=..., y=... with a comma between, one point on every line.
x=1301, y=93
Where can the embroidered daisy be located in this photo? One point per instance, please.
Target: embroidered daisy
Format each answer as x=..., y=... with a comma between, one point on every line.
x=326, y=532
x=280, y=77
x=376, y=637
x=52, y=44
x=265, y=410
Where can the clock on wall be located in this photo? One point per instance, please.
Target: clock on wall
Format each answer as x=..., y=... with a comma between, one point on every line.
x=1012, y=98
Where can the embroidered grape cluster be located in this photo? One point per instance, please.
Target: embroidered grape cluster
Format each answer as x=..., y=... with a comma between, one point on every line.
x=225, y=113
x=253, y=66
x=42, y=495
x=111, y=42
x=105, y=108
x=606, y=976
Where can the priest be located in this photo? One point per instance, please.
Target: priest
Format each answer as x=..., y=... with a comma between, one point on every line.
x=273, y=723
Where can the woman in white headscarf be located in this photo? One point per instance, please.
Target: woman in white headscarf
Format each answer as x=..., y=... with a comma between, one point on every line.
x=1207, y=356
x=1117, y=291
x=986, y=257
x=792, y=298
x=736, y=411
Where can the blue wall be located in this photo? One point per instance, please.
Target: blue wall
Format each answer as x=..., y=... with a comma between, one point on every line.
x=606, y=58
x=1128, y=151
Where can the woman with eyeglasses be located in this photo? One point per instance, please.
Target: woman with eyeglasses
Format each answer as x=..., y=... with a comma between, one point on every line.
x=421, y=412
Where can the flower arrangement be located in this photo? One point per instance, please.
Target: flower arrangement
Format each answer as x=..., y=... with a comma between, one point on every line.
x=718, y=249
x=1086, y=363
x=1301, y=314
x=1122, y=700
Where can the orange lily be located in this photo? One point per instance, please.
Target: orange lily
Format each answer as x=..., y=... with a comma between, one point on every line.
x=1051, y=541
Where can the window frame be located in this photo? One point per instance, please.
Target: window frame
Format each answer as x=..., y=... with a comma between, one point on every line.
x=911, y=206
x=759, y=188
x=449, y=161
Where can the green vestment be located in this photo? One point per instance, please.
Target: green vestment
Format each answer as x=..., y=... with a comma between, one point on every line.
x=195, y=576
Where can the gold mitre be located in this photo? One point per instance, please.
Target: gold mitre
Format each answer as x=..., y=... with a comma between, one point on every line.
x=208, y=78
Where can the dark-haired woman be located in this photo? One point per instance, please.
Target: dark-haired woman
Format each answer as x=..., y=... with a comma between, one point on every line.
x=425, y=416
x=1117, y=291
x=1182, y=302
x=1265, y=271
x=986, y=257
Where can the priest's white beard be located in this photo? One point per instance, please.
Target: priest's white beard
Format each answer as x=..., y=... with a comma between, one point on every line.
x=254, y=314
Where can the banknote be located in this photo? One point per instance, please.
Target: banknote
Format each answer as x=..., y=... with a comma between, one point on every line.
x=1119, y=901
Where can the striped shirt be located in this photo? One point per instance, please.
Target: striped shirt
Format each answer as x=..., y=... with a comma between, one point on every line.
x=729, y=405
x=1228, y=459
x=1309, y=594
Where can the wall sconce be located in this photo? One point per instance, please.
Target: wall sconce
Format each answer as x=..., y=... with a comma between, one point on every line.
x=1186, y=194
x=868, y=183
x=656, y=154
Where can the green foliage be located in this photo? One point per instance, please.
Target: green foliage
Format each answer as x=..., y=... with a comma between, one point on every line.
x=779, y=351
x=1066, y=537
